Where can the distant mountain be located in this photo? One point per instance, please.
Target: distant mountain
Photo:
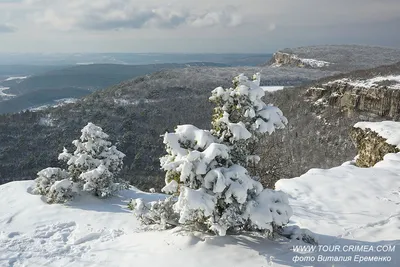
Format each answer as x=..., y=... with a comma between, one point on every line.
x=76, y=82
x=93, y=76
x=341, y=58
x=131, y=58
x=136, y=112
x=25, y=70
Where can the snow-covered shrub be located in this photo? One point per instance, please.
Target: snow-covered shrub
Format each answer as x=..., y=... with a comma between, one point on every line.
x=100, y=181
x=60, y=191
x=156, y=212
x=46, y=178
x=296, y=233
x=95, y=162
x=54, y=184
x=207, y=169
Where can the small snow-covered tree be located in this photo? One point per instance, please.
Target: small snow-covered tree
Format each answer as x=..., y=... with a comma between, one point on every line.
x=92, y=167
x=95, y=162
x=46, y=179
x=54, y=184
x=206, y=169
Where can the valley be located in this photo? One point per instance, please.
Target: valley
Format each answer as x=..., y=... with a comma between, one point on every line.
x=199, y=133
x=322, y=105
x=137, y=127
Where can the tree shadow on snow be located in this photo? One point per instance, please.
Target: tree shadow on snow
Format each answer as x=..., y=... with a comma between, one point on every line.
x=115, y=204
x=281, y=250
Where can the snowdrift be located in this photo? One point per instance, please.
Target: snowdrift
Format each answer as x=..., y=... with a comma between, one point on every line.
x=353, y=212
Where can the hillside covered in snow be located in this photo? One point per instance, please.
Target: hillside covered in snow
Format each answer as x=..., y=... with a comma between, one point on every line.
x=218, y=212
x=353, y=213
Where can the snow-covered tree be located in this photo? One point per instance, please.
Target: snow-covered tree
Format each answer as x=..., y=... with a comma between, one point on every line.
x=54, y=184
x=95, y=162
x=92, y=167
x=241, y=116
x=206, y=169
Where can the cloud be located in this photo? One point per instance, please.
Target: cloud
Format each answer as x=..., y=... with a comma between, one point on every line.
x=127, y=14
x=227, y=17
x=272, y=27
x=7, y=28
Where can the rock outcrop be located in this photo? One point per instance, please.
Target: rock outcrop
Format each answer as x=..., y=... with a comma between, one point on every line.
x=292, y=60
x=285, y=59
x=380, y=101
x=374, y=140
x=340, y=58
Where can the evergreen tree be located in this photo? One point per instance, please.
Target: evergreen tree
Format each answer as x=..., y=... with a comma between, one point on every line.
x=92, y=167
x=206, y=169
x=54, y=184
x=95, y=162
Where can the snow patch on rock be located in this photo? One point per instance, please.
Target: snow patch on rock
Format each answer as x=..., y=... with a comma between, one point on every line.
x=393, y=82
x=390, y=130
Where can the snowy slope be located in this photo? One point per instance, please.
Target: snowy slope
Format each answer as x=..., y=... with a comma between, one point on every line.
x=4, y=95
x=92, y=232
x=16, y=78
x=350, y=205
x=393, y=80
x=344, y=206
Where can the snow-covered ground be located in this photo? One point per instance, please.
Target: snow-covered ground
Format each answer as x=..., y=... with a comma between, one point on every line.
x=2, y=89
x=314, y=62
x=373, y=82
x=351, y=210
x=3, y=95
x=59, y=103
x=16, y=78
x=272, y=88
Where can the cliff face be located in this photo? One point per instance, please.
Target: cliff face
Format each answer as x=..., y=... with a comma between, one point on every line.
x=292, y=60
x=371, y=147
x=337, y=58
x=285, y=59
x=382, y=101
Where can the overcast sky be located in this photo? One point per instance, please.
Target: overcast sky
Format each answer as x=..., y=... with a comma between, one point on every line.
x=257, y=26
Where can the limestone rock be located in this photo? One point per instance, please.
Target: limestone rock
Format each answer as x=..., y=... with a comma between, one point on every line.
x=371, y=145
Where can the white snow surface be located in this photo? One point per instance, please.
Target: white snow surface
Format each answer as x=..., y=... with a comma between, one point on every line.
x=343, y=206
x=272, y=88
x=2, y=89
x=16, y=78
x=59, y=103
x=373, y=82
x=314, y=62
x=390, y=130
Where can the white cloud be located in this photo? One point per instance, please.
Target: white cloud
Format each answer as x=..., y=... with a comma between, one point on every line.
x=127, y=14
x=194, y=25
x=7, y=28
x=272, y=26
x=228, y=17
